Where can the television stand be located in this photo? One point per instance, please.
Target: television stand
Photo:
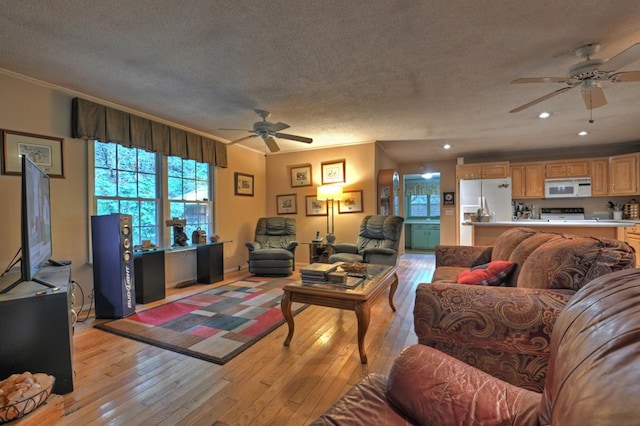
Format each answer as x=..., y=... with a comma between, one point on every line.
x=36, y=328
x=35, y=280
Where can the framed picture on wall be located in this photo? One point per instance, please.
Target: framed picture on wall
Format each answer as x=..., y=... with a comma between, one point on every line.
x=243, y=184
x=351, y=202
x=301, y=175
x=449, y=198
x=333, y=171
x=286, y=204
x=45, y=151
x=315, y=207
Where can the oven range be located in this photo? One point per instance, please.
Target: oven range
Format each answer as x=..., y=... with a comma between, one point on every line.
x=562, y=213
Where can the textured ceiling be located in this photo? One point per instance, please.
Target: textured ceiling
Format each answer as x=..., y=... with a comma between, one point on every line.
x=411, y=74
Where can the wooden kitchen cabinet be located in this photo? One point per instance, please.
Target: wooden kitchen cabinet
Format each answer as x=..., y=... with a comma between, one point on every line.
x=527, y=180
x=499, y=169
x=623, y=175
x=632, y=237
x=599, y=173
x=566, y=168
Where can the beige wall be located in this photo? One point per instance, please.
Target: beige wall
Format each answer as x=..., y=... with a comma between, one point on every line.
x=360, y=174
x=35, y=108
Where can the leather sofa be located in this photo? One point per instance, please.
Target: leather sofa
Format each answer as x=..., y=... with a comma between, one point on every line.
x=506, y=331
x=593, y=376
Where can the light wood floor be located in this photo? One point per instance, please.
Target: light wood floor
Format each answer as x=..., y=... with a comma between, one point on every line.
x=121, y=381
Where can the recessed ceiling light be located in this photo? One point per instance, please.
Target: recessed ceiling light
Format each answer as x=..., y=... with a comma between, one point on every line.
x=544, y=114
x=583, y=133
x=446, y=146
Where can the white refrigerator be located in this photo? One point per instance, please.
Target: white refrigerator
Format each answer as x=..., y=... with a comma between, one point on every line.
x=496, y=195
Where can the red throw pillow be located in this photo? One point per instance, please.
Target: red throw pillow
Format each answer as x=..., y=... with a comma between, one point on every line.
x=492, y=273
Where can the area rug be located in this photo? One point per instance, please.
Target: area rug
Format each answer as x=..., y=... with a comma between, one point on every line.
x=214, y=325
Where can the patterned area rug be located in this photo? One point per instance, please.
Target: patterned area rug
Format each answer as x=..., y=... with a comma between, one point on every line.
x=214, y=325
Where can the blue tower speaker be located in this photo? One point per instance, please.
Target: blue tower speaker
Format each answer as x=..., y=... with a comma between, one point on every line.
x=113, y=273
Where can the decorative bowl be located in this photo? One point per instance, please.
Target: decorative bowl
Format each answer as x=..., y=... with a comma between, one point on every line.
x=354, y=267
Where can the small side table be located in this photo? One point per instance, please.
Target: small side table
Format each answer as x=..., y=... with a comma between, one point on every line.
x=319, y=251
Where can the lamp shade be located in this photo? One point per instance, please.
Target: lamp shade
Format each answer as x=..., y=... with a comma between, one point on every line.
x=329, y=192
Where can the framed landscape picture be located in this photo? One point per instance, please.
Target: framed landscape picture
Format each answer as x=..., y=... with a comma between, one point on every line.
x=351, y=202
x=286, y=204
x=301, y=175
x=45, y=151
x=315, y=207
x=243, y=184
x=333, y=171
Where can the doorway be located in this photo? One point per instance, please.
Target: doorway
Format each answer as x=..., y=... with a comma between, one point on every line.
x=422, y=212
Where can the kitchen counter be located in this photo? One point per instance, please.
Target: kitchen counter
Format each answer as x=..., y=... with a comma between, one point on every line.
x=485, y=233
x=569, y=223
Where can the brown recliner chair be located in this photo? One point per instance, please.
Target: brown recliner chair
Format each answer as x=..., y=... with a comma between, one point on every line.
x=593, y=376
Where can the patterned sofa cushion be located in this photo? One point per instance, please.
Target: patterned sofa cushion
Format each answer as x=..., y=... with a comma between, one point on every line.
x=522, y=252
x=571, y=262
x=508, y=241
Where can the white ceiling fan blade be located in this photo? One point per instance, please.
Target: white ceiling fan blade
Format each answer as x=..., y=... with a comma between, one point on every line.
x=594, y=97
x=623, y=58
x=242, y=139
x=293, y=137
x=540, y=80
x=276, y=127
x=271, y=144
x=624, y=77
x=543, y=98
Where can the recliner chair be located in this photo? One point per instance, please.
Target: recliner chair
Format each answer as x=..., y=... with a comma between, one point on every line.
x=273, y=251
x=377, y=242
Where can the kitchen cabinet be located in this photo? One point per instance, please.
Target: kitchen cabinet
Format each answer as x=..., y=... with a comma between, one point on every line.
x=566, y=168
x=527, y=180
x=632, y=237
x=599, y=173
x=425, y=237
x=623, y=175
x=499, y=169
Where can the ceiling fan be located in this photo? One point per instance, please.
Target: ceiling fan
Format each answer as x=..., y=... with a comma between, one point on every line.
x=267, y=131
x=588, y=75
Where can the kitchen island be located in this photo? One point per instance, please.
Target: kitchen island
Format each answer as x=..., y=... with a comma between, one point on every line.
x=485, y=233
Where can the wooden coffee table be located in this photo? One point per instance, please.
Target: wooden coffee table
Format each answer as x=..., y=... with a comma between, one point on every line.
x=357, y=299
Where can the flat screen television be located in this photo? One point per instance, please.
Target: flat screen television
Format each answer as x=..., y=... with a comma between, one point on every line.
x=35, y=224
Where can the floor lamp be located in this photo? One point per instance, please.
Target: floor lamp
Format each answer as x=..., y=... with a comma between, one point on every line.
x=330, y=193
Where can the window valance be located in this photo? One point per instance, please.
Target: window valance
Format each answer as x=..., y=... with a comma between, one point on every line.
x=92, y=121
x=421, y=188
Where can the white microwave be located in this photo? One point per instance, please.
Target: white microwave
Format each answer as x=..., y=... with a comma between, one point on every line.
x=567, y=188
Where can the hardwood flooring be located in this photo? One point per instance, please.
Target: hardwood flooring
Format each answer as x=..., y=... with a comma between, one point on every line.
x=121, y=381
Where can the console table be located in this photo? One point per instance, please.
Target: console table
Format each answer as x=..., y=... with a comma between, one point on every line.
x=36, y=327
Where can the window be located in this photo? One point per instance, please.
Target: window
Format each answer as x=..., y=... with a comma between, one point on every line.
x=126, y=181
x=189, y=192
x=424, y=206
